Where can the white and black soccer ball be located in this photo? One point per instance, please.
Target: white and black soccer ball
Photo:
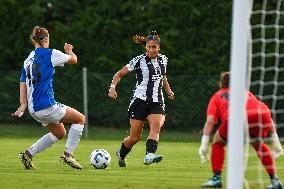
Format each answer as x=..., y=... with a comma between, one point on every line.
x=100, y=158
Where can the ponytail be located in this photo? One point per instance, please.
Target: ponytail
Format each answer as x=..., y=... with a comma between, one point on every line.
x=153, y=35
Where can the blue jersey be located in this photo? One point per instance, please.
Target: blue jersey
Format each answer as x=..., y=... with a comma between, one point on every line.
x=37, y=73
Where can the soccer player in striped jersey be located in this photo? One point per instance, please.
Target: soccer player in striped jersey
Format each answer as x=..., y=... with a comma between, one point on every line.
x=260, y=125
x=36, y=93
x=147, y=102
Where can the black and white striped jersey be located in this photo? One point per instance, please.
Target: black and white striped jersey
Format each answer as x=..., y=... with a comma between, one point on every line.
x=149, y=76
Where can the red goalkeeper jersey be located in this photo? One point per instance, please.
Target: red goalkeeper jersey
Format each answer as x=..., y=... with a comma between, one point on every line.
x=218, y=105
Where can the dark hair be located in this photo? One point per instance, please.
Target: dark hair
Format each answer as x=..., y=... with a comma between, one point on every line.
x=224, y=80
x=153, y=35
x=39, y=35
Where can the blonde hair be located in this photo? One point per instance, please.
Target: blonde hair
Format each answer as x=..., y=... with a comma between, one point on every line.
x=39, y=35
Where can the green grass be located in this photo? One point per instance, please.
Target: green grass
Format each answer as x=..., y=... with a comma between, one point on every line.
x=95, y=133
x=180, y=168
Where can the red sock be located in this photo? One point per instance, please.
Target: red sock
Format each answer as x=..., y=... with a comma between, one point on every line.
x=265, y=156
x=217, y=157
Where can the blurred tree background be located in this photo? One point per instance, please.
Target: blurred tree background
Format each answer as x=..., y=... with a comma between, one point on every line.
x=195, y=35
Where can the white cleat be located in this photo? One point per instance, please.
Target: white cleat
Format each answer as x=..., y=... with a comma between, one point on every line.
x=152, y=158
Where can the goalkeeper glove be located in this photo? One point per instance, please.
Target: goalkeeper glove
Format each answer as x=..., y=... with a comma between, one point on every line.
x=203, y=149
x=276, y=149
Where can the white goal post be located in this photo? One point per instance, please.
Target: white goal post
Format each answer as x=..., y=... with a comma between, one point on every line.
x=238, y=70
x=257, y=56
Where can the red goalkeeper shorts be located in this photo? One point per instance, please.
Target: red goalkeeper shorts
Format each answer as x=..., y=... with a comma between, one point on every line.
x=260, y=124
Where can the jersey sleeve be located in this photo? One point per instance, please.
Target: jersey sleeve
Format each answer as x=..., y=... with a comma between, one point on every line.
x=212, y=108
x=133, y=64
x=23, y=75
x=164, y=63
x=59, y=58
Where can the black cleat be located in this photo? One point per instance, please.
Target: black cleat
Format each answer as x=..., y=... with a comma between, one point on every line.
x=215, y=182
x=27, y=161
x=121, y=162
x=70, y=161
x=275, y=184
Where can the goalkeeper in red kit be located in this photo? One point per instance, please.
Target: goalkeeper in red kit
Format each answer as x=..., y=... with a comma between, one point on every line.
x=260, y=125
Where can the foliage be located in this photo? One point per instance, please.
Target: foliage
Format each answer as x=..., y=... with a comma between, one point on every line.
x=194, y=34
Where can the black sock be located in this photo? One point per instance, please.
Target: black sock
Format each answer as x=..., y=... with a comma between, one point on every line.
x=67, y=154
x=216, y=173
x=28, y=154
x=151, y=146
x=124, y=151
x=272, y=176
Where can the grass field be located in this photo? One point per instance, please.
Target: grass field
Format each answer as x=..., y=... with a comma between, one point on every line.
x=180, y=168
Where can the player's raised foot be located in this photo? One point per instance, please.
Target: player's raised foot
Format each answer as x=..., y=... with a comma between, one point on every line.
x=215, y=182
x=27, y=160
x=70, y=160
x=121, y=162
x=152, y=158
x=275, y=184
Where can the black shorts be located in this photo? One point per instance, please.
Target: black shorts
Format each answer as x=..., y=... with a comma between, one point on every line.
x=140, y=109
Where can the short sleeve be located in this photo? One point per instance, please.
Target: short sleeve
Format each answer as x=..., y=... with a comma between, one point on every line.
x=212, y=108
x=23, y=75
x=134, y=63
x=59, y=58
x=165, y=62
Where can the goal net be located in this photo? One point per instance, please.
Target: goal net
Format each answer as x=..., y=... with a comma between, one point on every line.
x=264, y=75
x=267, y=71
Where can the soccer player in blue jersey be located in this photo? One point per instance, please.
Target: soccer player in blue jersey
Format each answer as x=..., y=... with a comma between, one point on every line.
x=36, y=93
x=147, y=102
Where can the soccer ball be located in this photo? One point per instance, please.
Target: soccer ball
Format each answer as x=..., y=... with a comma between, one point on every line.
x=100, y=158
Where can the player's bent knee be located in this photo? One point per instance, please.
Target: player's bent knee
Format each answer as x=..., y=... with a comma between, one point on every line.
x=60, y=135
x=157, y=124
x=81, y=119
x=156, y=127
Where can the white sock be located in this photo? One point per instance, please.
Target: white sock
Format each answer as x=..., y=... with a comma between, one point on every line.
x=44, y=142
x=74, y=136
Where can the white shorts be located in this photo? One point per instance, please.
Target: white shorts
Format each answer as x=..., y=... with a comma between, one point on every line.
x=52, y=114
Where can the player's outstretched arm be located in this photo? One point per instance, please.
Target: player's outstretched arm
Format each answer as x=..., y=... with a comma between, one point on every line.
x=23, y=100
x=68, y=48
x=116, y=78
x=208, y=129
x=171, y=94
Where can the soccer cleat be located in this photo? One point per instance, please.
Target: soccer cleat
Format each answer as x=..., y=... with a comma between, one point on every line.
x=152, y=158
x=27, y=161
x=275, y=184
x=121, y=162
x=215, y=182
x=70, y=160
